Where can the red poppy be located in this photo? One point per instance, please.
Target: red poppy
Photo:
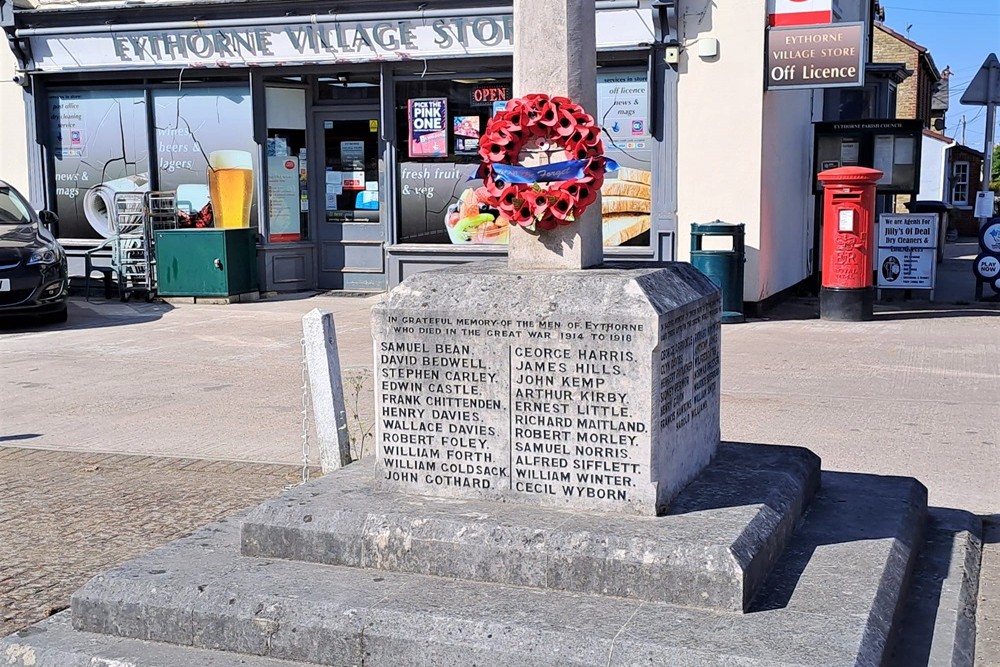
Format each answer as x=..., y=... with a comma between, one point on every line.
x=581, y=134
x=586, y=196
x=562, y=205
x=523, y=214
x=538, y=199
x=509, y=195
x=592, y=140
x=565, y=124
x=548, y=115
x=494, y=187
x=570, y=187
x=583, y=118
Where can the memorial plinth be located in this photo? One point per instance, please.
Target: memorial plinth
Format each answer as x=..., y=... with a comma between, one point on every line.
x=595, y=389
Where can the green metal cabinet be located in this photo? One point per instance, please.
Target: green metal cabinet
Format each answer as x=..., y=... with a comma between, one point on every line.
x=206, y=262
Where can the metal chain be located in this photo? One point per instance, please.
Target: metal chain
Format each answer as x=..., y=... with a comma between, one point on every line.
x=305, y=414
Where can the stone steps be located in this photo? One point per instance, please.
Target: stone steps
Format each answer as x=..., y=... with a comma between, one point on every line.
x=722, y=537
x=833, y=598
x=55, y=642
x=939, y=624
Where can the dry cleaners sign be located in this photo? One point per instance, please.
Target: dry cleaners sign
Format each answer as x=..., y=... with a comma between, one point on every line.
x=305, y=43
x=830, y=56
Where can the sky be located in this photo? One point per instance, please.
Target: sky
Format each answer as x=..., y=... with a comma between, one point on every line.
x=959, y=34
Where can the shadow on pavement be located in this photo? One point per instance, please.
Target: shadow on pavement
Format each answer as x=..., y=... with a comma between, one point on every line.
x=19, y=436
x=95, y=314
x=991, y=529
x=928, y=311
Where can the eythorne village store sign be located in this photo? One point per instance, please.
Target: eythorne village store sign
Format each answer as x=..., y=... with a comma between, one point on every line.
x=191, y=44
x=825, y=56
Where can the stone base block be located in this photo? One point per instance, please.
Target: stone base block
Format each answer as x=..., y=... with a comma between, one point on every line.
x=593, y=390
x=831, y=601
x=721, y=539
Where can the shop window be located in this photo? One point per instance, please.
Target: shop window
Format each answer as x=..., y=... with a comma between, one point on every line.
x=98, y=143
x=287, y=176
x=960, y=184
x=438, y=123
x=198, y=126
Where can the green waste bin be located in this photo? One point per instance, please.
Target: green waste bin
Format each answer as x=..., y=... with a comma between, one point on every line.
x=723, y=267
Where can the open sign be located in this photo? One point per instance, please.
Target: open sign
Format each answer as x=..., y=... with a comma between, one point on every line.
x=484, y=96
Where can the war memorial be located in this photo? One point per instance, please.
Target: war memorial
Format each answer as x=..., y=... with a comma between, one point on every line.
x=549, y=490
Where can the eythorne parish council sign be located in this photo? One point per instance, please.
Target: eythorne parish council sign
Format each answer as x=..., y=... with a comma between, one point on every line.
x=827, y=56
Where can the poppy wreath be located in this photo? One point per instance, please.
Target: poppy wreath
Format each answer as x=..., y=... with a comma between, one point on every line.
x=558, y=121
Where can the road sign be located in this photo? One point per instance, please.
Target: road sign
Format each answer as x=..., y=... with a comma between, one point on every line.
x=979, y=90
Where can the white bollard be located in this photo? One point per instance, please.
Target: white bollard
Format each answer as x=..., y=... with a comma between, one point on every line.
x=327, y=388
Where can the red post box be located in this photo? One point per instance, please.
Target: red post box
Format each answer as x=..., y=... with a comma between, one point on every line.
x=846, y=293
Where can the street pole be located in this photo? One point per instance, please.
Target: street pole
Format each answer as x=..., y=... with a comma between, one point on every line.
x=992, y=91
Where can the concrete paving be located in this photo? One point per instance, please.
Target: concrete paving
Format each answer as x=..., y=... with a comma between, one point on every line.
x=201, y=381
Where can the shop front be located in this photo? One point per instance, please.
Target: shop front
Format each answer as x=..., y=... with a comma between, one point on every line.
x=360, y=131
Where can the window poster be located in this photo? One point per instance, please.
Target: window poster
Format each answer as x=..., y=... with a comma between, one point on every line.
x=283, y=198
x=884, y=157
x=428, y=120
x=191, y=125
x=353, y=180
x=466, y=131
x=98, y=143
x=352, y=155
x=430, y=193
x=850, y=152
x=627, y=194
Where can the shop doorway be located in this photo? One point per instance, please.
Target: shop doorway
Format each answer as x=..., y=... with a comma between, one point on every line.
x=348, y=216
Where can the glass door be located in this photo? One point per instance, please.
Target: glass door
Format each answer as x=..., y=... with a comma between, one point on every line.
x=347, y=195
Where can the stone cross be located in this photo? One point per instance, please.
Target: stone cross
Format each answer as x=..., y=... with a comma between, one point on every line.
x=555, y=52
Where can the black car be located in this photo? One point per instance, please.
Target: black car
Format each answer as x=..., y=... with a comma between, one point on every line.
x=33, y=276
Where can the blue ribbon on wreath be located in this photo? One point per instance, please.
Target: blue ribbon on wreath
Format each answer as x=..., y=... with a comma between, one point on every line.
x=546, y=173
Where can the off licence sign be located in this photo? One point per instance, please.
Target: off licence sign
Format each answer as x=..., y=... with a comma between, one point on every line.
x=815, y=57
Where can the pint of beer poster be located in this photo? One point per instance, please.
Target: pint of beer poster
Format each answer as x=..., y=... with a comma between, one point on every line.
x=230, y=183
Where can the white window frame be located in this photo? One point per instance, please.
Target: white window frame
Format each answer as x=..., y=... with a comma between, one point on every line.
x=960, y=183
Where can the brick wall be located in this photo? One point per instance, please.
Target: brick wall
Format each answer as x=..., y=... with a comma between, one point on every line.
x=887, y=49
